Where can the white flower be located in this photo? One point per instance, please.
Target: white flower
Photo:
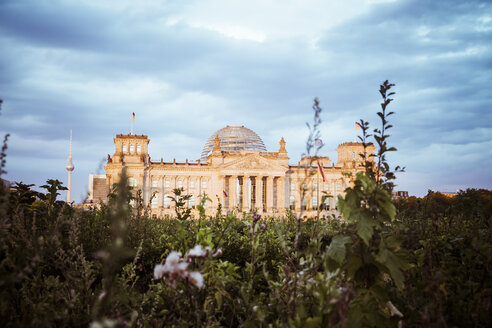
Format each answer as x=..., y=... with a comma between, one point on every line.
x=180, y=267
x=197, y=251
x=159, y=271
x=196, y=279
x=175, y=268
x=218, y=253
x=172, y=259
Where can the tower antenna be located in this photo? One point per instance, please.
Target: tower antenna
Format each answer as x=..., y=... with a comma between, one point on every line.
x=70, y=168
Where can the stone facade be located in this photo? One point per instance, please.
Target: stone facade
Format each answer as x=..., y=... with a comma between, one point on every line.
x=240, y=180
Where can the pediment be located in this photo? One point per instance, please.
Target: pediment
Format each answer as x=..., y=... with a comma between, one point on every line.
x=253, y=163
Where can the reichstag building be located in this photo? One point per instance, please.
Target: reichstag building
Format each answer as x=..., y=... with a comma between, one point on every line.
x=235, y=170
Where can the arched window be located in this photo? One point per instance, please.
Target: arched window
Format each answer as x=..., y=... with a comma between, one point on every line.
x=326, y=203
x=167, y=201
x=180, y=184
x=292, y=203
x=155, y=201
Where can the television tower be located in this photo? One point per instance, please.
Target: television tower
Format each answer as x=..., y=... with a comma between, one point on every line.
x=70, y=168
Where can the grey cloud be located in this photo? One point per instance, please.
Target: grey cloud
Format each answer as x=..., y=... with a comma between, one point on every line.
x=87, y=68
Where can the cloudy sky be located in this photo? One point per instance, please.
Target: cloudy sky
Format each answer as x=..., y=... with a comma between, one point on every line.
x=189, y=68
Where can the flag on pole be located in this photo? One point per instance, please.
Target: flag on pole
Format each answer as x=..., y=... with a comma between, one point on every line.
x=357, y=125
x=133, y=117
x=318, y=142
x=320, y=169
x=225, y=194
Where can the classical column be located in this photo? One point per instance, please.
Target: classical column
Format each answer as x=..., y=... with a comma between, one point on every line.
x=186, y=187
x=222, y=183
x=269, y=194
x=281, y=194
x=232, y=191
x=141, y=186
x=245, y=193
x=259, y=193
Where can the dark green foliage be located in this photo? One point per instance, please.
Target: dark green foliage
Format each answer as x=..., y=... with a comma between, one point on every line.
x=450, y=242
x=180, y=200
x=417, y=262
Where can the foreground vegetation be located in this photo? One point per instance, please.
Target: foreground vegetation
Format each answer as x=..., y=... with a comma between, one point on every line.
x=420, y=262
x=76, y=268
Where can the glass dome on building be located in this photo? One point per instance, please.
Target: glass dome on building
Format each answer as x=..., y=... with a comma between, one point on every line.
x=233, y=138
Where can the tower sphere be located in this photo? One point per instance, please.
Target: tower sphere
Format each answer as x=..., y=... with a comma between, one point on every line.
x=70, y=166
x=234, y=138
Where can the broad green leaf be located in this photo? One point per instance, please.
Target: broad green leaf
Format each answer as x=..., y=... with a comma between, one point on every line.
x=353, y=264
x=365, y=229
x=388, y=259
x=336, y=250
x=386, y=204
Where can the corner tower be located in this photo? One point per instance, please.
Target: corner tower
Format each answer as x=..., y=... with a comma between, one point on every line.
x=351, y=154
x=130, y=149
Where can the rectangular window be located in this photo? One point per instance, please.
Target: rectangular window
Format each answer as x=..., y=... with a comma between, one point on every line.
x=191, y=202
x=180, y=184
x=155, y=201
x=292, y=186
x=339, y=187
x=168, y=183
x=167, y=201
x=154, y=183
x=204, y=184
x=132, y=182
x=292, y=203
x=314, y=202
x=326, y=203
x=124, y=148
x=327, y=186
x=192, y=184
x=139, y=149
x=132, y=148
x=353, y=155
x=315, y=186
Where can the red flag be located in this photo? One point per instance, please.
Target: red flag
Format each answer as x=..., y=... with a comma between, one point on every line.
x=320, y=169
x=133, y=118
x=225, y=194
x=357, y=125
